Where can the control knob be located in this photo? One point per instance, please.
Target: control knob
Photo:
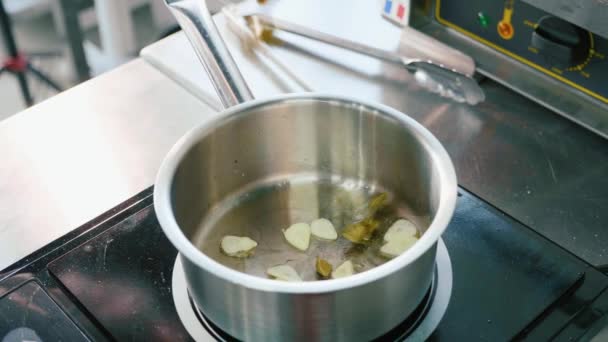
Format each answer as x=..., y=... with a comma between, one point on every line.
x=560, y=41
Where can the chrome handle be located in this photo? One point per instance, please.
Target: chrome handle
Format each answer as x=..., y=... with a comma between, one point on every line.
x=465, y=63
x=435, y=77
x=259, y=21
x=195, y=19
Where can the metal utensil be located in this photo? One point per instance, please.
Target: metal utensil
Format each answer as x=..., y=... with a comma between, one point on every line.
x=436, y=77
x=250, y=41
x=265, y=164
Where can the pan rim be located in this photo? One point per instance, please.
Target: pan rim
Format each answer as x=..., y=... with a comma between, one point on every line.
x=164, y=212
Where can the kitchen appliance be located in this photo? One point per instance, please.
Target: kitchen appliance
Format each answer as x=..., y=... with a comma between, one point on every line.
x=115, y=278
x=553, y=52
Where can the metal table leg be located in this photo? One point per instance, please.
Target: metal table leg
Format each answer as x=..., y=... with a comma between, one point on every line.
x=115, y=30
x=71, y=9
x=13, y=53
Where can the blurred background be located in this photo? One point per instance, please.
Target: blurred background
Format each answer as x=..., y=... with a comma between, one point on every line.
x=69, y=41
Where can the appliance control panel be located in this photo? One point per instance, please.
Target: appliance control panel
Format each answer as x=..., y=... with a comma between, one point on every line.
x=558, y=48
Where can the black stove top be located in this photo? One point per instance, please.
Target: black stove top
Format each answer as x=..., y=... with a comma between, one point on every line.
x=111, y=280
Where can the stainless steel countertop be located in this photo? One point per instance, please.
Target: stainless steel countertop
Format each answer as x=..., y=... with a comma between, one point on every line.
x=536, y=166
x=78, y=154
x=70, y=158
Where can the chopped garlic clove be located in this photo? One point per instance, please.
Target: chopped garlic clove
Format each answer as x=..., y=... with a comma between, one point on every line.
x=377, y=202
x=397, y=246
x=323, y=267
x=399, y=238
x=298, y=235
x=323, y=229
x=344, y=270
x=360, y=232
x=283, y=272
x=401, y=228
x=237, y=246
x=355, y=232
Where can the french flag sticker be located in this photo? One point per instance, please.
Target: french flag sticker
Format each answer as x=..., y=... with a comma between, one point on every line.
x=397, y=11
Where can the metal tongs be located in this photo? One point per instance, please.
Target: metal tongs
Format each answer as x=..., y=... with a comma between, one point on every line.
x=436, y=77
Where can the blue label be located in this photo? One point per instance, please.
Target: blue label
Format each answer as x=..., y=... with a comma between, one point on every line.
x=387, y=6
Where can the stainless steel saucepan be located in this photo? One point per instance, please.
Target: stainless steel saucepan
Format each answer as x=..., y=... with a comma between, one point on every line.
x=265, y=164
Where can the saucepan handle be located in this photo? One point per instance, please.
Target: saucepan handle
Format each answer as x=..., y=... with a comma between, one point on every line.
x=195, y=20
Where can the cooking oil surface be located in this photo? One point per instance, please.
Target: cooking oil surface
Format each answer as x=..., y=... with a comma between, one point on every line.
x=263, y=211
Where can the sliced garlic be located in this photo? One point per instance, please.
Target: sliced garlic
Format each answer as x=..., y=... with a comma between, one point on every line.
x=298, y=235
x=344, y=270
x=237, y=246
x=377, y=202
x=360, y=232
x=355, y=232
x=401, y=227
x=398, y=238
x=283, y=272
x=323, y=267
x=323, y=229
x=397, y=246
